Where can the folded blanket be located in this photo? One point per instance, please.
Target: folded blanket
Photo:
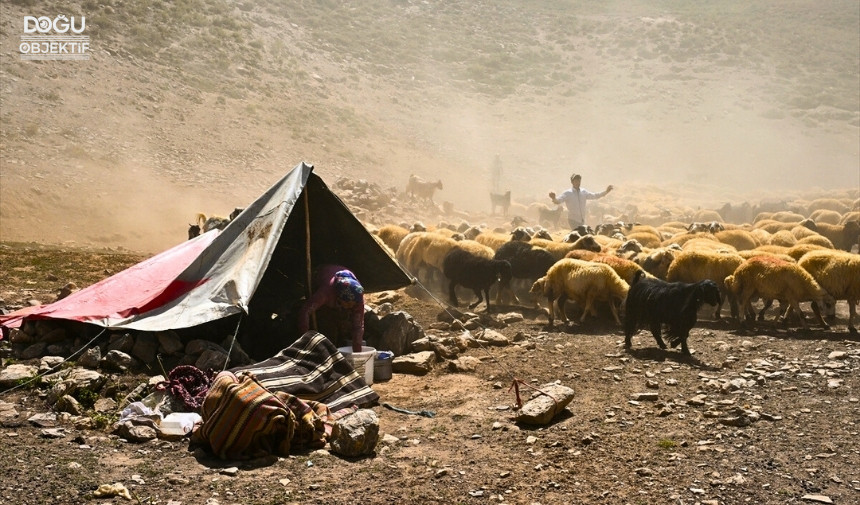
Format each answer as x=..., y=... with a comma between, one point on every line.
x=313, y=369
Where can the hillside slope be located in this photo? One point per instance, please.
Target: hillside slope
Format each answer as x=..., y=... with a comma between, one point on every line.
x=198, y=105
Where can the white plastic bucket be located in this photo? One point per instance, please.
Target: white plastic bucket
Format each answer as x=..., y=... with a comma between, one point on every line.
x=361, y=361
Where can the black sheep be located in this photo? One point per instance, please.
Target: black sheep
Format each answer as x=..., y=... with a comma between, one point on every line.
x=527, y=262
x=474, y=272
x=654, y=302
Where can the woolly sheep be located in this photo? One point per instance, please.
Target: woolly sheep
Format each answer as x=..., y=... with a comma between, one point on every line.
x=843, y=236
x=787, y=216
x=828, y=204
x=646, y=238
x=625, y=268
x=771, y=226
x=838, y=273
x=798, y=250
x=826, y=216
x=559, y=249
x=850, y=216
x=783, y=238
x=492, y=239
x=698, y=265
x=706, y=215
x=657, y=262
x=708, y=243
x=391, y=235
x=801, y=231
x=583, y=282
x=741, y=240
x=760, y=252
x=775, y=279
x=424, y=250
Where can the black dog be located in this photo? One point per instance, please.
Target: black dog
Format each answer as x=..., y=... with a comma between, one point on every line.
x=654, y=302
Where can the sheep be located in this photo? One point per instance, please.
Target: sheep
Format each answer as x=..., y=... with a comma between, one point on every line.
x=500, y=200
x=826, y=216
x=761, y=251
x=625, y=268
x=447, y=232
x=492, y=240
x=424, y=250
x=560, y=249
x=421, y=188
x=783, y=238
x=656, y=302
x=838, y=273
x=707, y=243
x=787, y=216
x=828, y=204
x=798, y=250
x=527, y=262
x=583, y=282
x=657, y=262
x=464, y=268
x=850, y=216
x=391, y=235
x=775, y=279
x=476, y=248
x=582, y=254
x=843, y=236
x=699, y=265
x=684, y=237
x=771, y=226
x=741, y=240
x=646, y=238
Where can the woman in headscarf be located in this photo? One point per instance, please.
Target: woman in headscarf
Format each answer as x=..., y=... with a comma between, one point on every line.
x=337, y=288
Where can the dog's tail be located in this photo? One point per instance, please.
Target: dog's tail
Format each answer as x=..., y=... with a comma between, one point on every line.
x=638, y=275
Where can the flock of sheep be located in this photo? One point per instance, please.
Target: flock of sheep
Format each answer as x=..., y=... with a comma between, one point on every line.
x=789, y=257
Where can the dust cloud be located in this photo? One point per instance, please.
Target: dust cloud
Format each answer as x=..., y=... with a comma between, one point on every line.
x=632, y=108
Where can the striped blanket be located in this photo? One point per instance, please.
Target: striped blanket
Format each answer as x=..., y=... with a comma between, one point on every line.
x=313, y=369
x=241, y=419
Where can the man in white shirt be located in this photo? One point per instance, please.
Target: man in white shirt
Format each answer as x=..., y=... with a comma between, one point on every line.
x=574, y=199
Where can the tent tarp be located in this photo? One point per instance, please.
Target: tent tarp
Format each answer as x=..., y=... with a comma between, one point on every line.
x=260, y=256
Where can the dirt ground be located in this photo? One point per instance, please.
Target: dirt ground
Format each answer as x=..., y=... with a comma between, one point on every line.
x=756, y=416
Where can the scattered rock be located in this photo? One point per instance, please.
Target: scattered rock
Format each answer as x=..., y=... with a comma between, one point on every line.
x=356, y=434
x=542, y=408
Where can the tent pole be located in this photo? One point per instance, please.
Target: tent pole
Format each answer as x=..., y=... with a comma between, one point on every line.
x=308, y=256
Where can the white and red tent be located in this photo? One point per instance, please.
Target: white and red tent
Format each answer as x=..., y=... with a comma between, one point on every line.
x=257, y=266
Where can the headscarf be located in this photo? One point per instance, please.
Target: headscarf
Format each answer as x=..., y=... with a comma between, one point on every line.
x=347, y=288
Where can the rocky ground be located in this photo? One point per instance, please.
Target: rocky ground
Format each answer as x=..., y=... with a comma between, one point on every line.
x=758, y=416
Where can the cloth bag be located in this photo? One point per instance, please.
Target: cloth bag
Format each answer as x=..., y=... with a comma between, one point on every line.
x=243, y=420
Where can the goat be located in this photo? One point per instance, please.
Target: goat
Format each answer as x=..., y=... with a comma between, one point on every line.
x=548, y=216
x=500, y=200
x=474, y=272
x=421, y=188
x=527, y=262
x=656, y=302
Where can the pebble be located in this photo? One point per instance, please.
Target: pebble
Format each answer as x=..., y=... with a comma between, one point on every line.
x=817, y=498
x=230, y=472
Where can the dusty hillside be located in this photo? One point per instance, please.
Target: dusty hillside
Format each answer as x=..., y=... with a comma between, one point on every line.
x=197, y=106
